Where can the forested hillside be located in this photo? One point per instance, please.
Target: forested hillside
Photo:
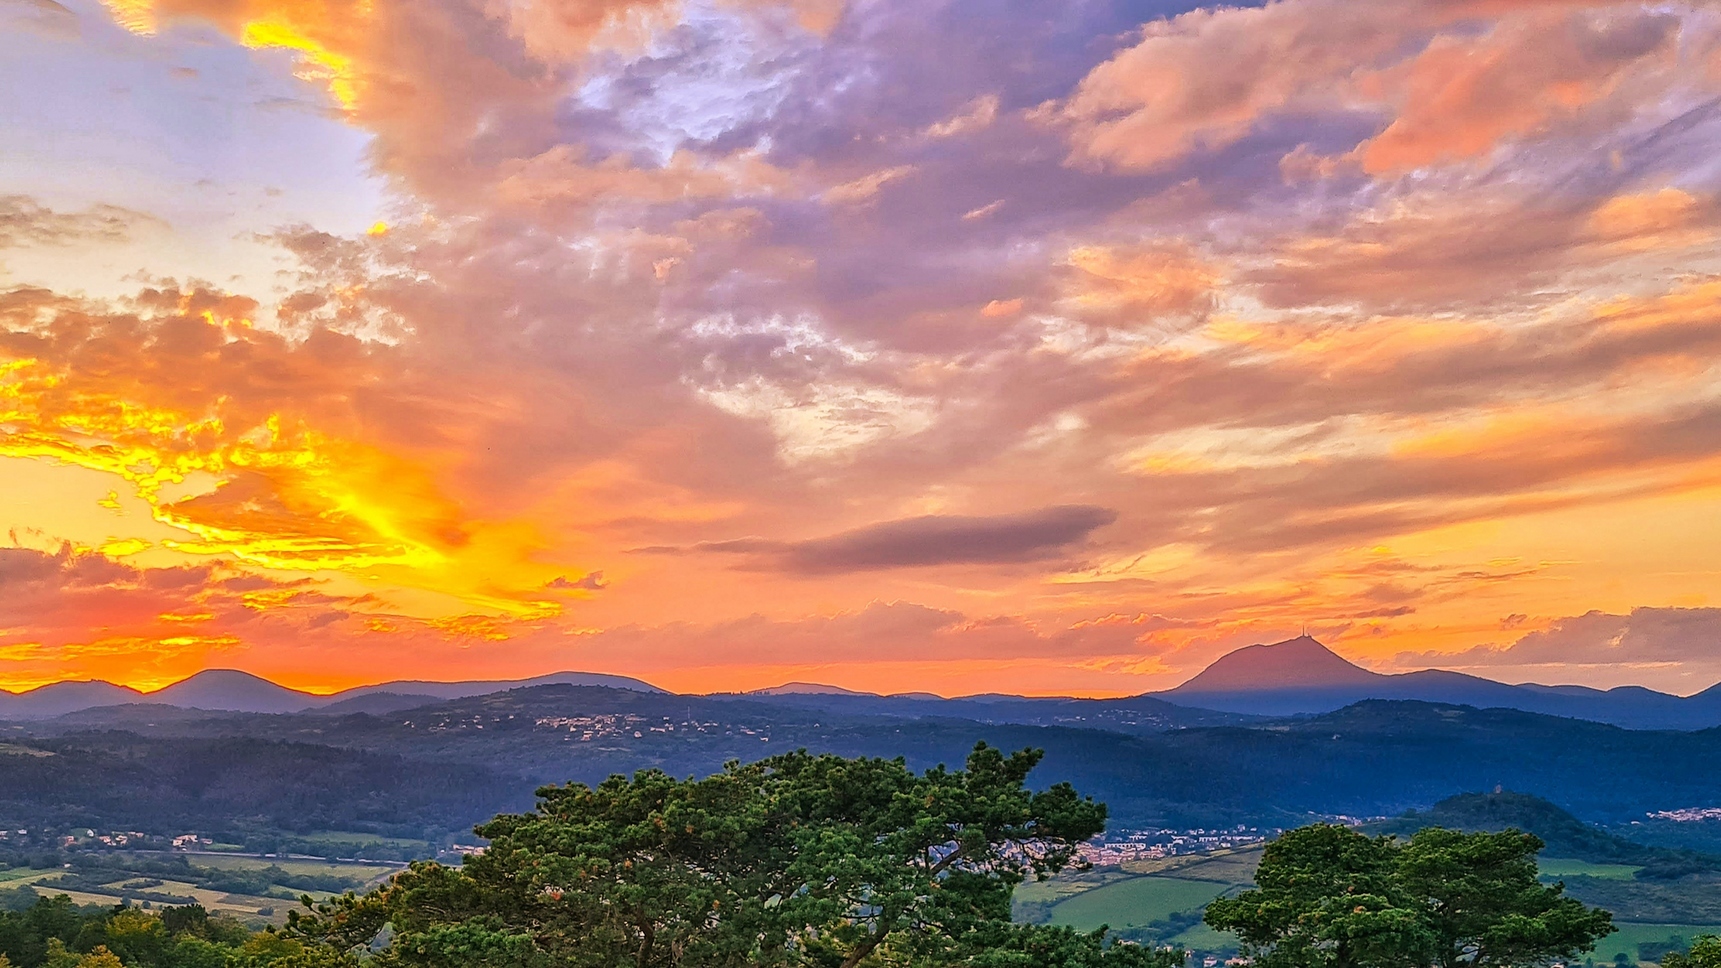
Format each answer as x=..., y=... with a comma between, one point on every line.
x=240, y=787
x=443, y=766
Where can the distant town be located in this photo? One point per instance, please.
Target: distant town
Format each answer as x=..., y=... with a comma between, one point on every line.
x=1688, y=814
x=1152, y=843
x=1121, y=847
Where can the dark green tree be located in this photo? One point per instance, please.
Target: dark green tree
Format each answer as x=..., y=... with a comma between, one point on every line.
x=1326, y=898
x=1485, y=905
x=1330, y=897
x=798, y=860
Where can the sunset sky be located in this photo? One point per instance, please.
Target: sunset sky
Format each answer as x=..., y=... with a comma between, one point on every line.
x=940, y=345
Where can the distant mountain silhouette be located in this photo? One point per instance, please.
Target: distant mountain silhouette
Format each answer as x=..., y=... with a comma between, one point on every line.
x=1301, y=676
x=229, y=690
x=374, y=703
x=465, y=688
x=1297, y=677
x=1299, y=663
x=60, y=698
x=808, y=689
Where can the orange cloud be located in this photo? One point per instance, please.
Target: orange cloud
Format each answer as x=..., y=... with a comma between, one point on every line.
x=866, y=187
x=261, y=485
x=1649, y=220
x=1445, y=90
x=560, y=180
x=1428, y=249
x=560, y=31
x=1201, y=80
x=327, y=38
x=1461, y=96
x=76, y=613
x=25, y=222
x=1134, y=285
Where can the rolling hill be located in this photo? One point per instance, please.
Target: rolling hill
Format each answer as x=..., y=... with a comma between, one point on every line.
x=1564, y=834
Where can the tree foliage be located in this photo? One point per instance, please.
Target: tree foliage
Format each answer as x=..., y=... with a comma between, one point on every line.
x=1330, y=897
x=798, y=860
x=55, y=933
x=1705, y=953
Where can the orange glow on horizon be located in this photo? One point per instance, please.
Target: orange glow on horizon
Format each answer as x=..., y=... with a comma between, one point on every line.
x=284, y=497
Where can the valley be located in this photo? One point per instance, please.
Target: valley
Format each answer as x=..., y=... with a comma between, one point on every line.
x=1160, y=901
x=150, y=803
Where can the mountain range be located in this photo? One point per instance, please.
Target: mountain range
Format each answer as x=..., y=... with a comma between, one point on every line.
x=1297, y=677
x=229, y=690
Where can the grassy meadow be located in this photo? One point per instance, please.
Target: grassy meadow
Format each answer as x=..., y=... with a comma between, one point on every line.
x=1150, y=900
x=1162, y=900
x=1630, y=935
x=367, y=872
x=1555, y=868
x=256, y=890
x=1135, y=902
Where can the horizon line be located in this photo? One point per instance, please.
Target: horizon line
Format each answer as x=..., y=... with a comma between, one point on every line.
x=315, y=693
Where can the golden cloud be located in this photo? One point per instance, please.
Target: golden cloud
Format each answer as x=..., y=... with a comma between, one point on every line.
x=266, y=487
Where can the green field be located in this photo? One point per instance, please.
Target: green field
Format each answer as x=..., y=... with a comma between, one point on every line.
x=1203, y=938
x=79, y=897
x=1142, y=892
x=1135, y=902
x=1221, y=867
x=294, y=865
x=1629, y=936
x=1070, y=883
x=262, y=899
x=245, y=907
x=1557, y=867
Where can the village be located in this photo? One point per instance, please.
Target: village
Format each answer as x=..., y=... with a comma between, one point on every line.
x=1121, y=847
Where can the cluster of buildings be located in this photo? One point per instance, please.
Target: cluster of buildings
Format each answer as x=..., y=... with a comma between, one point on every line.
x=22, y=837
x=1155, y=843
x=1688, y=814
x=587, y=728
x=446, y=723
x=127, y=838
x=584, y=729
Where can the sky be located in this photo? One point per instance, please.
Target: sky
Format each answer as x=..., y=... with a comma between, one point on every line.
x=903, y=345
